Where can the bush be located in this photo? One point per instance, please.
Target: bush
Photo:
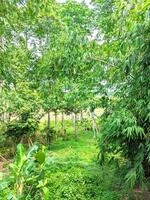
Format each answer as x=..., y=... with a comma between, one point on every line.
x=18, y=129
x=123, y=139
x=2, y=136
x=33, y=176
x=26, y=179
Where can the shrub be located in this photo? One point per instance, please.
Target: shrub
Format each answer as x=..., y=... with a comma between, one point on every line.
x=122, y=137
x=26, y=179
x=20, y=128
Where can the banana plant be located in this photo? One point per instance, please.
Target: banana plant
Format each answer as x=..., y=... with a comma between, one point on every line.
x=26, y=176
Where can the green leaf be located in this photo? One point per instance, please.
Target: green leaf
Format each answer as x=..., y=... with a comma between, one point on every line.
x=40, y=157
x=20, y=157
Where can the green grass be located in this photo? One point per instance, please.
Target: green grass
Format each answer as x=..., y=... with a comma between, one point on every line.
x=74, y=173
x=85, y=147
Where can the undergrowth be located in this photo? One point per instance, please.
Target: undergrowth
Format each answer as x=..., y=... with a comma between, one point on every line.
x=68, y=171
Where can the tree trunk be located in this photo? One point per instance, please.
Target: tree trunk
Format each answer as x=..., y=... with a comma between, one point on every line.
x=82, y=121
x=81, y=117
x=9, y=117
x=49, y=120
x=26, y=38
x=4, y=117
x=63, y=125
x=56, y=120
x=56, y=125
x=75, y=127
x=48, y=127
x=93, y=124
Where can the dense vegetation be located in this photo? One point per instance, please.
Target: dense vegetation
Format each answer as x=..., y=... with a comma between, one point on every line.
x=68, y=172
x=88, y=60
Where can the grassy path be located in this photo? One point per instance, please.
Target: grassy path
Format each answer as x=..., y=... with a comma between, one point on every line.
x=74, y=173
x=83, y=151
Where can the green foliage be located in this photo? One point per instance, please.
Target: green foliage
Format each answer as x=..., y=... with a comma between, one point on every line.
x=122, y=137
x=75, y=175
x=125, y=51
x=26, y=175
x=71, y=57
x=76, y=183
x=2, y=130
x=65, y=171
x=21, y=128
x=51, y=135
